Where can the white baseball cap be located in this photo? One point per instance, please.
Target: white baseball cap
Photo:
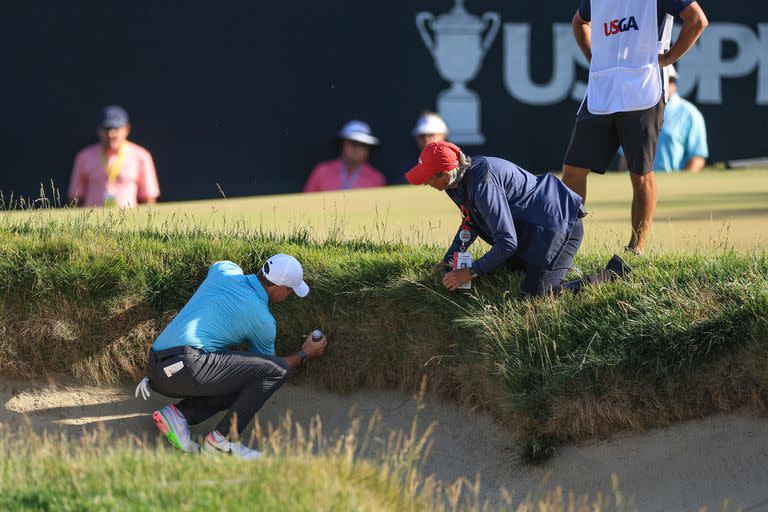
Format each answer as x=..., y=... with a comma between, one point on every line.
x=358, y=131
x=284, y=270
x=429, y=123
x=673, y=72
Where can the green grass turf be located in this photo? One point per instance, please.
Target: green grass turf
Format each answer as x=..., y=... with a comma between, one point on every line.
x=683, y=338
x=89, y=300
x=300, y=471
x=705, y=211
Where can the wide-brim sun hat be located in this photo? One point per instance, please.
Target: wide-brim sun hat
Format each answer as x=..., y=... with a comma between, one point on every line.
x=358, y=131
x=429, y=124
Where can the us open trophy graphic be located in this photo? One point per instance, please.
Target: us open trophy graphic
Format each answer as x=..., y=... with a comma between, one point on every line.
x=458, y=48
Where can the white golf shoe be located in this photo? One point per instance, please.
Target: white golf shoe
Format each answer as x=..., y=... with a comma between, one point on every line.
x=175, y=427
x=216, y=444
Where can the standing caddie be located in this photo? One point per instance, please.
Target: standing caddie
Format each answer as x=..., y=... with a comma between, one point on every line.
x=195, y=357
x=628, y=53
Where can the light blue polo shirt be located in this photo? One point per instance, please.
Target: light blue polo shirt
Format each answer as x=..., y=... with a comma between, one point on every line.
x=683, y=136
x=228, y=309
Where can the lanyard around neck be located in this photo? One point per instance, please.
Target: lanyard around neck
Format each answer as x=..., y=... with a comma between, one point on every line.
x=466, y=221
x=113, y=171
x=348, y=178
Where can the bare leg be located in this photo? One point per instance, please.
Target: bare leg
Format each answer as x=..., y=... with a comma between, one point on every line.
x=575, y=178
x=643, y=208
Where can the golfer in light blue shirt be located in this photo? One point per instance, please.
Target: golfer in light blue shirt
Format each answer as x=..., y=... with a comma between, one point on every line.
x=228, y=309
x=683, y=138
x=196, y=357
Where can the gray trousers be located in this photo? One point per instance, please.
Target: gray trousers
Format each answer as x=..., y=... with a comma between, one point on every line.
x=209, y=382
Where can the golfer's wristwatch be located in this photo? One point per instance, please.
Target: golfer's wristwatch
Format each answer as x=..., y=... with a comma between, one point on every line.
x=303, y=356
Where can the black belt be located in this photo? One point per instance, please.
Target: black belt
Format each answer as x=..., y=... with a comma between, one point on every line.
x=582, y=212
x=161, y=355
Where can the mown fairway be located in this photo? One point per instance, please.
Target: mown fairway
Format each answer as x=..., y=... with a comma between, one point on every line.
x=711, y=210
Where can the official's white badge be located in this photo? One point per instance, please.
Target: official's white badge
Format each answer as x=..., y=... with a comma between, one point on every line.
x=462, y=260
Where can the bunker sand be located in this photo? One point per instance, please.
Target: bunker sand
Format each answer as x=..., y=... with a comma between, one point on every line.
x=684, y=467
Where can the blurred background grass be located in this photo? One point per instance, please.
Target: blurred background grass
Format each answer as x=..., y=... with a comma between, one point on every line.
x=703, y=211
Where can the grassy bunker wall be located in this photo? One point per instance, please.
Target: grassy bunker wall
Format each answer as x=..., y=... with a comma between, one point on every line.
x=686, y=336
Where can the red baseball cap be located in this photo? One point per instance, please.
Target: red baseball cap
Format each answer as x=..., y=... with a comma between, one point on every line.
x=437, y=157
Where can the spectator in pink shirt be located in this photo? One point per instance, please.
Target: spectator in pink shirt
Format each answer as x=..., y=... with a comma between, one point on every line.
x=114, y=172
x=351, y=169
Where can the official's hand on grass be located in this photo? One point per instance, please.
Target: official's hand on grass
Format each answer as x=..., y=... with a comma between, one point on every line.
x=441, y=267
x=456, y=278
x=313, y=348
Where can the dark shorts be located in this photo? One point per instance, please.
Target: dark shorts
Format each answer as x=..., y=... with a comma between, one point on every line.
x=596, y=138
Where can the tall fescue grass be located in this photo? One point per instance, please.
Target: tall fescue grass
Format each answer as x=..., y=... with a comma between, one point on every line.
x=686, y=336
x=302, y=469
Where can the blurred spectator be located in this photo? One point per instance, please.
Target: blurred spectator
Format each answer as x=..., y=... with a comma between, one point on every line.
x=683, y=138
x=430, y=127
x=351, y=169
x=114, y=172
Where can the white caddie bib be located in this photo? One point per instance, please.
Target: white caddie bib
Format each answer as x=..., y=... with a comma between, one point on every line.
x=624, y=73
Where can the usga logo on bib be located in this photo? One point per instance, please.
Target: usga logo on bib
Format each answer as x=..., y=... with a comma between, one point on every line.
x=617, y=26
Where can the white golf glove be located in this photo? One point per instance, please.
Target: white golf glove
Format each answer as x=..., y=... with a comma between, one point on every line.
x=142, y=388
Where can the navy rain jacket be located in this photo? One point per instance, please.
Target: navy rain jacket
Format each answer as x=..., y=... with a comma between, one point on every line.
x=515, y=212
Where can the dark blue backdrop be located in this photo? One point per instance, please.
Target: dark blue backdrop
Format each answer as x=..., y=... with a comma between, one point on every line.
x=249, y=94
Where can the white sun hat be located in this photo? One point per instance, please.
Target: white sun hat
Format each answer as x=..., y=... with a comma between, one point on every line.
x=429, y=123
x=284, y=270
x=673, y=72
x=358, y=131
